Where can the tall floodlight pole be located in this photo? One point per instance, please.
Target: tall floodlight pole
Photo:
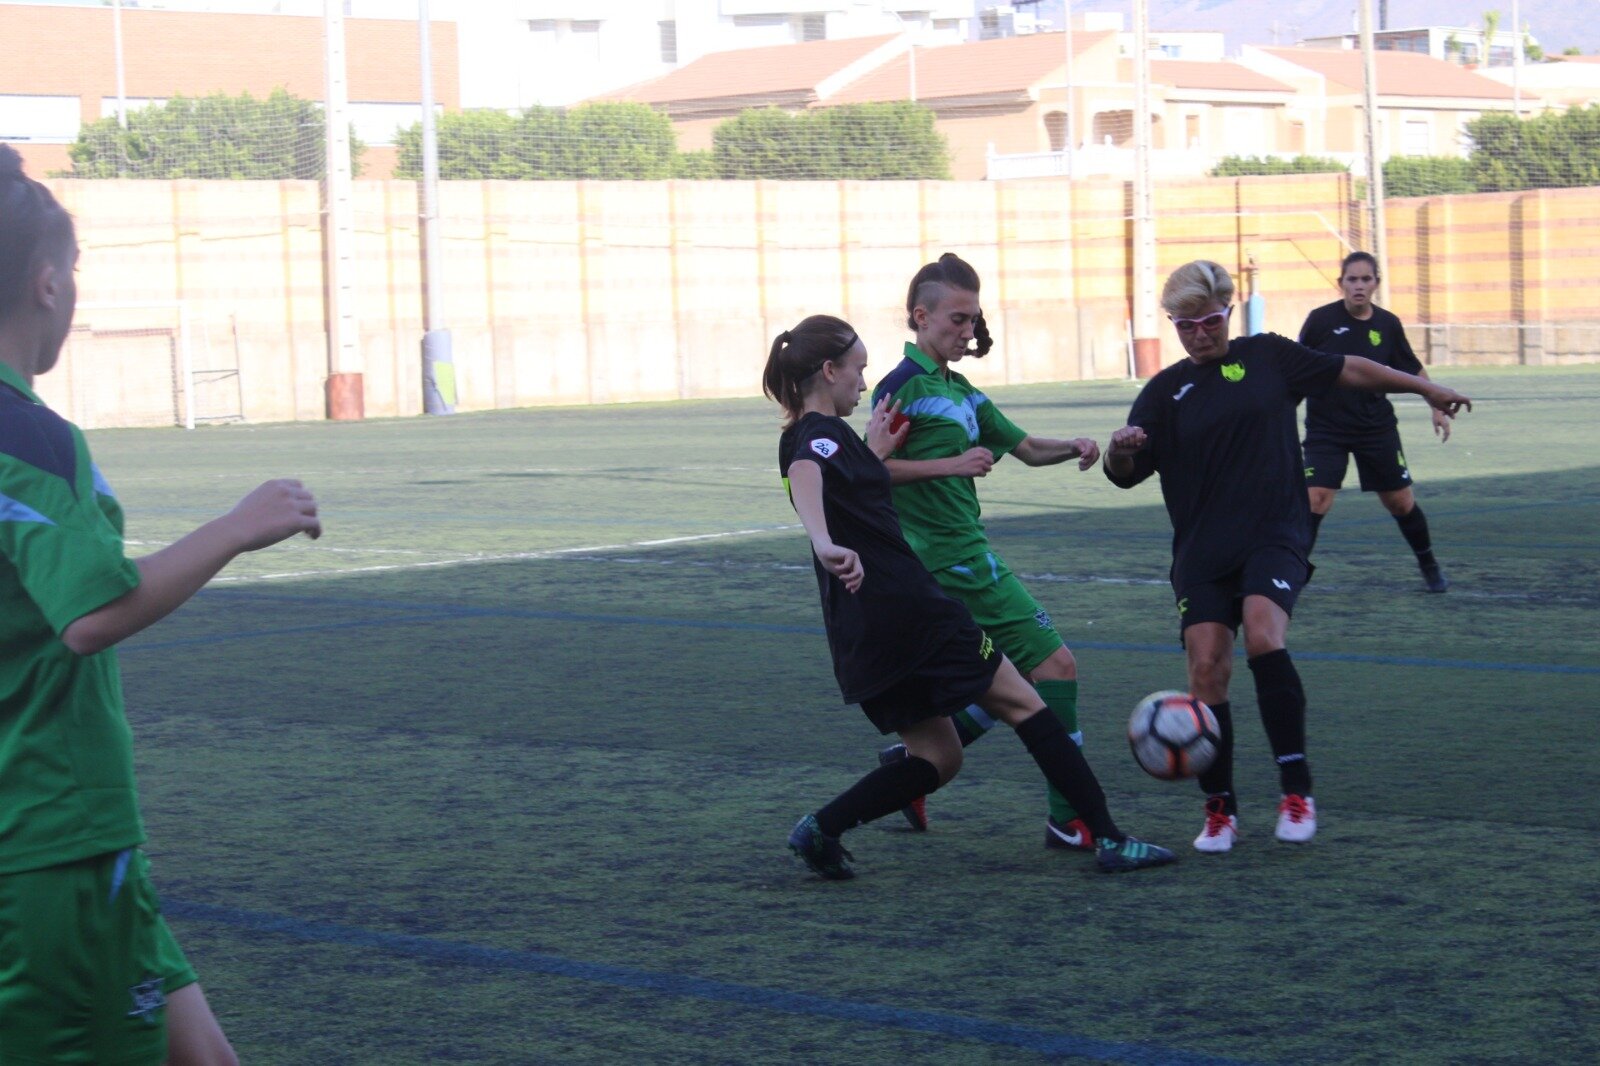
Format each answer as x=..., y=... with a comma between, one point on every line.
x=438, y=365
x=1380, y=239
x=344, y=353
x=122, y=80
x=1146, y=340
x=1516, y=61
x=1071, y=130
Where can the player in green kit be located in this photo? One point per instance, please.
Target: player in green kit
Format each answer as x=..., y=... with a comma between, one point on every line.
x=89, y=971
x=957, y=434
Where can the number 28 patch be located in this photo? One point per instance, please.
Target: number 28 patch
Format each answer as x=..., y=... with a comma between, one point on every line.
x=824, y=447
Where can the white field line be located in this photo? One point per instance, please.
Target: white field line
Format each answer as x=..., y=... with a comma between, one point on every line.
x=501, y=557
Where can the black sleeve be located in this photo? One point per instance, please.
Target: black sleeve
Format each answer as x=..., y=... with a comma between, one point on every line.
x=1306, y=371
x=1148, y=414
x=818, y=440
x=1404, y=358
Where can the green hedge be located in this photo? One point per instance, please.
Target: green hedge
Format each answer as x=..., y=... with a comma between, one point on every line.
x=217, y=136
x=1427, y=176
x=1552, y=150
x=1245, y=166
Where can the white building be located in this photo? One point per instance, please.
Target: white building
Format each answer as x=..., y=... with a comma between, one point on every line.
x=516, y=53
x=1466, y=45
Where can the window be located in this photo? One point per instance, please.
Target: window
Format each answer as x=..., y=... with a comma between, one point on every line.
x=669, y=42
x=41, y=119
x=1055, y=128
x=1114, y=128
x=811, y=28
x=1416, y=137
x=379, y=124
x=1191, y=131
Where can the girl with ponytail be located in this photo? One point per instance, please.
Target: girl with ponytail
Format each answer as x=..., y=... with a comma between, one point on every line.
x=907, y=653
x=956, y=436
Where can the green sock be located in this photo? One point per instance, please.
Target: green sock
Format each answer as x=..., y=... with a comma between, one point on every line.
x=1062, y=699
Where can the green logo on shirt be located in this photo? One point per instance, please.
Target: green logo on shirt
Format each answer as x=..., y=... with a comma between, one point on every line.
x=1375, y=337
x=1233, y=371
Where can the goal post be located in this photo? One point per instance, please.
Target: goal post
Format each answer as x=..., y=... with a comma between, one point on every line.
x=137, y=364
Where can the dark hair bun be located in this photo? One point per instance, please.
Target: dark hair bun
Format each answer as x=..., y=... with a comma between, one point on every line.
x=10, y=163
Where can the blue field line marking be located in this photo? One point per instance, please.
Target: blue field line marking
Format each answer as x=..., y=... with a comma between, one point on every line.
x=952, y=1025
x=461, y=613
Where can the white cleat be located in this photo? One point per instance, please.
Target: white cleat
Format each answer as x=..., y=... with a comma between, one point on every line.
x=1221, y=829
x=1297, y=819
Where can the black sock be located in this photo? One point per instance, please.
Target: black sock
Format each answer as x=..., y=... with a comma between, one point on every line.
x=1316, y=527
x=883, y=791
x=1283, y=713
x=1218, y=780
x=1064, y=766
x=1414, y=527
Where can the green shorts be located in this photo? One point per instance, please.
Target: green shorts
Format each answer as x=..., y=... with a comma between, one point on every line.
x=86, y=964
x=1003, y=608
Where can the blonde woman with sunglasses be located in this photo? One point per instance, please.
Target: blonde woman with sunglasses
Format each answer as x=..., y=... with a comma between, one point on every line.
x=1219, y=427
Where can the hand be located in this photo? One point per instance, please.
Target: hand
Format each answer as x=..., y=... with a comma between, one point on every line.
x=842, y=563
x=274, y=511
x=1441, y=425
x=974, y=462
x=1126, y=441
x=1447, y=401
x=1088, y=451
x=882, y=436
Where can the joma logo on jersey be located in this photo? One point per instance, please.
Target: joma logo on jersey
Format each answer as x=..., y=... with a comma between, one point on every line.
x=1233, y=371
x=986, y=648
x=1375, y=337
x=1183, y=606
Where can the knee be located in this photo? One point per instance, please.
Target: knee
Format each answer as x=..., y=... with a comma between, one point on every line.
x=1059, y=666
x=1256, y=644
x=1209, y=676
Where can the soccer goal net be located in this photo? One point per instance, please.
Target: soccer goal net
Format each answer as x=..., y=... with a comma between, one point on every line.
x=147, y=364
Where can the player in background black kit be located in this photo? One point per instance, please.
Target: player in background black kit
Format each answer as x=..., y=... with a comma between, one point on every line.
x=1219, y=428
x=907, y=653
x=1345, y=422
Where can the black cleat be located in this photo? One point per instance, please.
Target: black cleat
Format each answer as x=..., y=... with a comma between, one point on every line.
x=823, y=853
x=1117, y=857
x=1434, y=578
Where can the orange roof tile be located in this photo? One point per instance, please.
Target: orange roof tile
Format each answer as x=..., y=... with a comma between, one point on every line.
x=1204, y=74
x=774, y=70
x=1398, y=73
x=1006, y=65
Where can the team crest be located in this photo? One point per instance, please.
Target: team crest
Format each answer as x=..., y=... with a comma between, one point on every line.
x=1375, y=337
x=1041, y=618
x=824, y=447
x=148, y=999
x=1233, y=371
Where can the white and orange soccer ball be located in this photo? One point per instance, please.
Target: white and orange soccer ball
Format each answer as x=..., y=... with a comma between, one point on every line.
x=1173, y=735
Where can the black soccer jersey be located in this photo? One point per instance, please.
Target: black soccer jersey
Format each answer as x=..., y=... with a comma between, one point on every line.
x=1222, y=435
x=899, y=616
x=1355, y=413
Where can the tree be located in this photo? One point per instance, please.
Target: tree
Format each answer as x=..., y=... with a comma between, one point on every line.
x=865, y=142
x=1551, y=150
x=1491, y=22
x=217, y=136
x=1427, y=176
x=1572, y=50
x=611, y=141
x=1244, y=166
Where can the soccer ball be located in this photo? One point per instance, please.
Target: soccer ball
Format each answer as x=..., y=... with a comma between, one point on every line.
x=1173, y=735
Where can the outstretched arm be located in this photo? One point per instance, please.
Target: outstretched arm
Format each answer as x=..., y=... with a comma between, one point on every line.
x=1045, y=451
x=805, y=490
x=1362, y=373
x=273, y=512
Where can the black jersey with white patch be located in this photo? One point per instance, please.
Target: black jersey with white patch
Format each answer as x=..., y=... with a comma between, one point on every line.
x=1355, y=413
x=899, y=616
x=1222, y=435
